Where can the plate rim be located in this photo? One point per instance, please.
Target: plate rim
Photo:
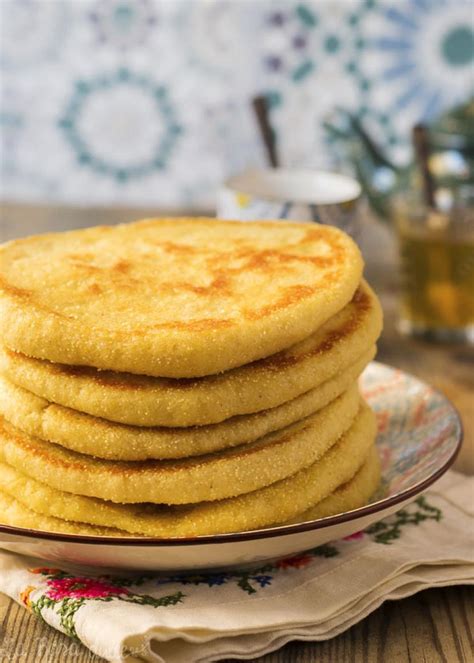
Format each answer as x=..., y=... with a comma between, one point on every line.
x=263, y=533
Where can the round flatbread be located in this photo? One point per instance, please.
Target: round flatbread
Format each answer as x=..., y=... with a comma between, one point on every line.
x=351, y=495
x=211, y=477
x=112, y=441
x=173, y=297
x=19, y=513
x=146, y=401
x=275, y=504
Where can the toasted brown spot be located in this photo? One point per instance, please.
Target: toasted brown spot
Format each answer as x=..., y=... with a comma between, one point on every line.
x=361, y=302
x=219, y=286
x=27, y=295
x=174, y=247
x=122, y=266
x=22, y=293
x=84, y=261
x=291, y=295
x=204, y=324
x=83, y=256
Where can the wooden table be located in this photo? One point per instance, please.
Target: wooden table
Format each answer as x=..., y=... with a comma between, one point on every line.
x=433, y=626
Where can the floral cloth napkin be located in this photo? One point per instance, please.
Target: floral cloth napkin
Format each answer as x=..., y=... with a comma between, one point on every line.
x=311, y=596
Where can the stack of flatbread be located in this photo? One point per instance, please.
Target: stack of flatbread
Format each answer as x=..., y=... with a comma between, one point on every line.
x=183, y=377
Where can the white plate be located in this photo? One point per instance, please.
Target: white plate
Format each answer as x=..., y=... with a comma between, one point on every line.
x=419, y=437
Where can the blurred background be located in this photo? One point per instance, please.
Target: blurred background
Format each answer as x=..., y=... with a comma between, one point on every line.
x=146, y=103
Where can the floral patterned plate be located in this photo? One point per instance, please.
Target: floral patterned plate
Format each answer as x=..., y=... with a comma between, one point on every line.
x=419, y=437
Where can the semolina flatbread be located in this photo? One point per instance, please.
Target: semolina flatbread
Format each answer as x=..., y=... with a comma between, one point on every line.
x=112, y=441
x=17, y=513
x=144, y=401
x=279, y=503
x=204, y=478
x=173, y=297
x=351, y=495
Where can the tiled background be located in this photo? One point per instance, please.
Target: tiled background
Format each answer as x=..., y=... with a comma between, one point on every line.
x=146, y=102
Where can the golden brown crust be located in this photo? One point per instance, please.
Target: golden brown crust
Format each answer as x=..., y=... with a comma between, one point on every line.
x=209, y=477
x=351, y=494
x=362, y=302
x=112, y=441
x=128, y=300
x=263, y=384
x=275, y=504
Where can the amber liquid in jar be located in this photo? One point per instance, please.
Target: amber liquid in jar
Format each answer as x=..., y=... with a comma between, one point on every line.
x=437, y=274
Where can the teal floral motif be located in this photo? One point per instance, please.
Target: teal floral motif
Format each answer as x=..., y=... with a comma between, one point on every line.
x=294, y=28
x=387, y=531
x=305, y=48
x=66, y=594
x=390, y=63
x=458, y=46
x=123, y=23
x=356, y=20
x=424, y=51
x=137, y=121
x=305, y=40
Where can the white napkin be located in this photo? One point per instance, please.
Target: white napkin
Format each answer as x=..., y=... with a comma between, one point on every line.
x=312, y=596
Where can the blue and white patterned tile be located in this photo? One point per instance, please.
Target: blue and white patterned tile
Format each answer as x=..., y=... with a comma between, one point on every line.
x=148, y=101
x=124, y=25
x=419, y=58
x=33, y=33
x=134, y=140
x=308, y=75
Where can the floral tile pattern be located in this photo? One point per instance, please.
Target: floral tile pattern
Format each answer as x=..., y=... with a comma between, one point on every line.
x=147, y=101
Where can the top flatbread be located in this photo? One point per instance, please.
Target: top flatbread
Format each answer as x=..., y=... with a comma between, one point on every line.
x=173, y=297
x=139, y=400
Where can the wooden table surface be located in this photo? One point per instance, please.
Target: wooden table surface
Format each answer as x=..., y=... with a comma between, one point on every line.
x=432, y=626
